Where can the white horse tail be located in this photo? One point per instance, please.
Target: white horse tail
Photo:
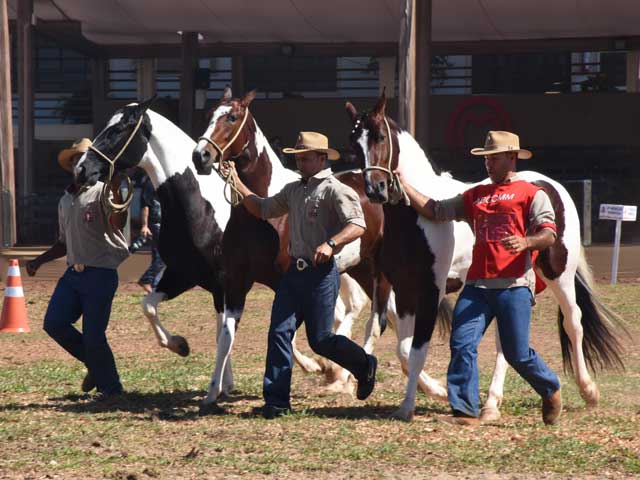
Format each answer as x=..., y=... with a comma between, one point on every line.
x=601, y=345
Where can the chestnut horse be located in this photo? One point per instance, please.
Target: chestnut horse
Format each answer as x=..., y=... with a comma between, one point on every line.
x=416, y=251
x=194, y=216
x=234, y=134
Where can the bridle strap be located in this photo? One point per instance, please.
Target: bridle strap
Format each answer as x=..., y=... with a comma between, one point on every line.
x=231, y=193
x=395, y=182
x=109, y=204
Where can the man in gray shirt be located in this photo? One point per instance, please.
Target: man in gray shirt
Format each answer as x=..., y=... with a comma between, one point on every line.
x=324, y=215
x=93, y=242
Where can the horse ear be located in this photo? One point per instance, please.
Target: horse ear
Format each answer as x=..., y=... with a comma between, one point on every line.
x=227, y=94
x=144, y=105
x=379, y=109
x=248, y=98
x=351, y=111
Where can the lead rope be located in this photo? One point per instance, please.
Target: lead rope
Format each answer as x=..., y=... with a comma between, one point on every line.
x=396, y=185
x=231, y=193
x=107, y=203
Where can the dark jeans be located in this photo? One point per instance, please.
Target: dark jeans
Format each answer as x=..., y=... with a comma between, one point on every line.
x=88, y=293
x=152, y=275
x=474, y=310
x=309, y=295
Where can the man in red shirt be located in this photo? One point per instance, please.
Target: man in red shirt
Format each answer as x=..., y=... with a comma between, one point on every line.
x=511, y=218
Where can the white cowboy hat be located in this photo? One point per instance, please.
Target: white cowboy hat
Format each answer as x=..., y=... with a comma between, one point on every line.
x=498, y=141
x=312, y=141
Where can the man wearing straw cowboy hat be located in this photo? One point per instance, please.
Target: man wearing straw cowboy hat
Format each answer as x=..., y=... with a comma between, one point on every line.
x=324, y=215
x=94, y=245
x=511, y=218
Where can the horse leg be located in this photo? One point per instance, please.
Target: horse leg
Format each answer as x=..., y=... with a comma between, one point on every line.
x=228, y=383
x=404, y=327
x=564, y=290
x=379, y=308
x=491, y=410
x=424, y=320
x=233, y=307
x=169, y=282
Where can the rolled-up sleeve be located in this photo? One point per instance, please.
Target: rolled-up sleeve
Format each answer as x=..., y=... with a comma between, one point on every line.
x=348, y=206
x=541, y=214
x=277, y=205
x=61, y=230
x=450, y=209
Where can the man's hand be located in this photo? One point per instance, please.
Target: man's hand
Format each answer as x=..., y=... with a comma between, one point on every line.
x=515, y=244
x=32, y=267
x=323, y=254
x=146, y=232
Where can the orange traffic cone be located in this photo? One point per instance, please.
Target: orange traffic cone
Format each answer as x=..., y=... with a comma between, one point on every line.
x=14, y=311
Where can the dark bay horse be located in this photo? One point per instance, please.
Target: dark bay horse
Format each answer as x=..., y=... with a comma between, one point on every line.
x=416, y=251
x=234, y=134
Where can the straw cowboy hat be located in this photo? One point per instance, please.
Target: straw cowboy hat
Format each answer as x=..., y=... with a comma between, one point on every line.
x=498, y=142
x=65, y=157
x=312, y=141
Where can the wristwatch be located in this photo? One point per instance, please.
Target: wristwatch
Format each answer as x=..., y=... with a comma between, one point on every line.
x=332, y=244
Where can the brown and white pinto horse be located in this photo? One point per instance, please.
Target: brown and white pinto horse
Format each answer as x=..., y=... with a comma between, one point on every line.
x=234, y=132
x=416, y=251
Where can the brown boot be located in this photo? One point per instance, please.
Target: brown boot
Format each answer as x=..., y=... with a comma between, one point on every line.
x=552, y=408
x=462, y=420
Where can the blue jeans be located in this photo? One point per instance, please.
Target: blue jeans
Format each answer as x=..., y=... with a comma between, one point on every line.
x=475, y=309
x=88, y=293
x=308, y=296
x=152, y=275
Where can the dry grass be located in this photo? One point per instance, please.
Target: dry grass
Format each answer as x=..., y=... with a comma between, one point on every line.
x=48, y=430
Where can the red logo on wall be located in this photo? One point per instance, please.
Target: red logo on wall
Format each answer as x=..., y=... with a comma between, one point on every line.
x=480, y=112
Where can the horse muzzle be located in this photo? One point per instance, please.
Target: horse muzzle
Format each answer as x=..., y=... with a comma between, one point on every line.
x=202, y=161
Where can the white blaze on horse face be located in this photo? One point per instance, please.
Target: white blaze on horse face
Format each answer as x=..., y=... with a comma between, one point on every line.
x=219, y=112
x=363, y=141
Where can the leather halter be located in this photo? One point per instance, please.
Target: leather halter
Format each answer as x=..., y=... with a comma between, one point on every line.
x=106, y=201
x=231, y=193
x=395, y=184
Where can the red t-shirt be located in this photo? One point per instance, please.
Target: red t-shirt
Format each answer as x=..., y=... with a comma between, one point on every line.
x=496, y=211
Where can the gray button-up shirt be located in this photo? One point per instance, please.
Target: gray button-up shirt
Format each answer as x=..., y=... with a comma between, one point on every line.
x=84, y=229
x=318, y=209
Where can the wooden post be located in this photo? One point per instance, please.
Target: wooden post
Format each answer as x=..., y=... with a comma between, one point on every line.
x=633, y=71
x=25, y=97
x=187, y=80
x=406, y=64
x=422, y=80
x=7, y=172
x=146, y=78
x=98, y=92
x=237, y=76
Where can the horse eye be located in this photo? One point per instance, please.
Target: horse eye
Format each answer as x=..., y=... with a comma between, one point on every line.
x=231, y=118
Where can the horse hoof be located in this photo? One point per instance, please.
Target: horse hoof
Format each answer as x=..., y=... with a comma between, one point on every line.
x=337, y=387
x=210, y=409
x=591, y=395
x=180, y=346
x=489, y=414
x=402, y=415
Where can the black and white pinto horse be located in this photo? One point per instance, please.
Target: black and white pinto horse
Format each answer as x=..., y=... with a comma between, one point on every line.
x=194, y=216
x=417, y=253
x=232, y=123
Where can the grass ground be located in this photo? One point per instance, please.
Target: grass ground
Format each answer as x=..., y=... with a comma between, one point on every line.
x=49, y=430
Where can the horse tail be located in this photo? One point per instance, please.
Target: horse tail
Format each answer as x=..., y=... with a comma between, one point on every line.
x=601, y=347
x=444, y=318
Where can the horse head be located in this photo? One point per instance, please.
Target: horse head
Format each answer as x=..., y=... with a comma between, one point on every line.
x=121, y=144
x=228, y=135
x=374, y=139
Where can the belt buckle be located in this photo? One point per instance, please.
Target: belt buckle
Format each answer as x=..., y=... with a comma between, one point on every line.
x=78, y=267
x=301, y=264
